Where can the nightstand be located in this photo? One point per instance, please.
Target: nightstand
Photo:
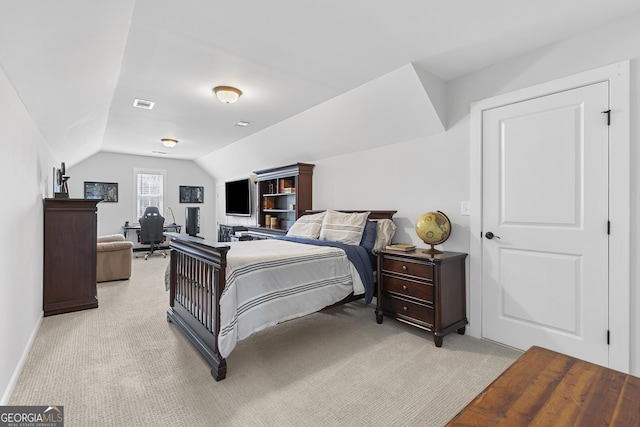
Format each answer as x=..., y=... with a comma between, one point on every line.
x=423, y=290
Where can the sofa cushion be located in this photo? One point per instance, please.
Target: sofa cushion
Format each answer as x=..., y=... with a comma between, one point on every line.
x=114, y=246
x=111, y=238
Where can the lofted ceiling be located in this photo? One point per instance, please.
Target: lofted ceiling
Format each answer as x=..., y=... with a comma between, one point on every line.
x=78, y=65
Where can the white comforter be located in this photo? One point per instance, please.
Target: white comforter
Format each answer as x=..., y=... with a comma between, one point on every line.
x=270, y=281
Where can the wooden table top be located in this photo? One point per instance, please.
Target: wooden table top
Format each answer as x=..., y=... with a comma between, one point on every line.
x=545, y=388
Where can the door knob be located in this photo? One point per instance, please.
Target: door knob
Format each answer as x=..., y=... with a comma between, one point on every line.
x=489, y=235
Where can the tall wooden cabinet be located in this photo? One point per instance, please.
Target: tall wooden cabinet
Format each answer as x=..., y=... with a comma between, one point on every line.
x=284, y=193
x=70, y=233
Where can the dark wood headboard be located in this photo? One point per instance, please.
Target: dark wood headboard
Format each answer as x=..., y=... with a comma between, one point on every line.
x=372, y=214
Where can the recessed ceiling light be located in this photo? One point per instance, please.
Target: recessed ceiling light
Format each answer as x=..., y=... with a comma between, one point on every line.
x=141, y=103
x=241, y=123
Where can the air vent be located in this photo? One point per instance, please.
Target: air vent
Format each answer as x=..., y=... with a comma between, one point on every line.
x=141, y=103
x=161, y=152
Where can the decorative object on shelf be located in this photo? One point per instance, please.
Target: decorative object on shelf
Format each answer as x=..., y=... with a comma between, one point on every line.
x=105, y=191
x=61, y=181
x=434, y=228
x=227, y=94
x=191, y=194
x=169, y=142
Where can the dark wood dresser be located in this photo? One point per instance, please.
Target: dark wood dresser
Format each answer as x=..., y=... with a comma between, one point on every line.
x=70, y=233
x=423, y=290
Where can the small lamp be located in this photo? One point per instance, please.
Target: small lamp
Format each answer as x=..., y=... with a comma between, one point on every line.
x=168, y=142
x=227, y=94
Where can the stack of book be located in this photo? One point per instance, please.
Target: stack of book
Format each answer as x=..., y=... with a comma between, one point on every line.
x=403, y=247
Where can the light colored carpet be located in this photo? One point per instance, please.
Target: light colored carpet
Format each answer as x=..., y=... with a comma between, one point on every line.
x=123, y=365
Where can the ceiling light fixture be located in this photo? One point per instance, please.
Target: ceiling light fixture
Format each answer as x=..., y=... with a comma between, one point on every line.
x=241, y=123
x=227, y=94
x=168, y=142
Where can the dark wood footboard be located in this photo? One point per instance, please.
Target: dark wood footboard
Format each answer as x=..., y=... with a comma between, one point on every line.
x=197, y=280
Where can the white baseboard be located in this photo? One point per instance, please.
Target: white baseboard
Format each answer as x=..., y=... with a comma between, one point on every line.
x=23, y=359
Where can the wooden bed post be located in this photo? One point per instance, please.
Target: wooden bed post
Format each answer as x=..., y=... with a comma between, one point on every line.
x=197, y=279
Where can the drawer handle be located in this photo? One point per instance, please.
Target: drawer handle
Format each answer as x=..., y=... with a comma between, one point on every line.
x=404, y=267
x=405, y=308
x=404, y=287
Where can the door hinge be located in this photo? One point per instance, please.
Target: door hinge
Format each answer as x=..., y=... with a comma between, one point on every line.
x=608, y=227
x=608, y=113
x=608, y=337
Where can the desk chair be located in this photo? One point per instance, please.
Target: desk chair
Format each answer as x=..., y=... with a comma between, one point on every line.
x=151, y=231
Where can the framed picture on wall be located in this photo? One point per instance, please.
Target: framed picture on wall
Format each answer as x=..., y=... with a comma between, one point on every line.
x=191, y=194
x=107, y=191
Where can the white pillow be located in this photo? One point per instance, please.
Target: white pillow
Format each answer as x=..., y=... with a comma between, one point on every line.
x=385, y=230
x=307, y=226
x=343, y=227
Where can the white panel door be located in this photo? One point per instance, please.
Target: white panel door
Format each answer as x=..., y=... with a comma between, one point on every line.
x=545, y=201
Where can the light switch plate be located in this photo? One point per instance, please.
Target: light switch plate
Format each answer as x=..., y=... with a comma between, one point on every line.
x=465, y=210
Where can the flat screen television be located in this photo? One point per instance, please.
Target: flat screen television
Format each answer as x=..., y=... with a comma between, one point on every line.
x=238, y=197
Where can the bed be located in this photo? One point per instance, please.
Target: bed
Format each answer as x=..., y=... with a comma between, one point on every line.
x=222, y=293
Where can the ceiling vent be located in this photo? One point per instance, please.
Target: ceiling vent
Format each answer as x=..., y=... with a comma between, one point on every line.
x=141, y=103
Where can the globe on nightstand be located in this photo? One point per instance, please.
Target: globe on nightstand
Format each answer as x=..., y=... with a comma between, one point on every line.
x=433, y=228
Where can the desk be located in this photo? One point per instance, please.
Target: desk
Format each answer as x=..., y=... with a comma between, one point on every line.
x=167, y=227
x=545, y=388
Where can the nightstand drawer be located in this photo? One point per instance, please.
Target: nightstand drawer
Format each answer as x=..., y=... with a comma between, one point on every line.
x=421, y=270
x=409, y=309
x=422, y=291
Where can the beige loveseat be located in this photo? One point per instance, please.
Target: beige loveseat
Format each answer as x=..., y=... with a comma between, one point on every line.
x=113, y=258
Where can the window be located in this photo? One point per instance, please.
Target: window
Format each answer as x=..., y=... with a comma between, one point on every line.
x=149, y=186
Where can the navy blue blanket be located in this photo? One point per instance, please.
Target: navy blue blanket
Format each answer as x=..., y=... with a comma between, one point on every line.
x=358, y=256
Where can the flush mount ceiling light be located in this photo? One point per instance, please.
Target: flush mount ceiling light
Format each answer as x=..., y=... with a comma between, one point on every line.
x=227, y=94
x=241, y=123
x=168, y=142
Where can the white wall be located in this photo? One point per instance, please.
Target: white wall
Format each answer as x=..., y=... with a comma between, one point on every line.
x=112, y=167
x=411, y=177
x=433, y=172
x=26, y=174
